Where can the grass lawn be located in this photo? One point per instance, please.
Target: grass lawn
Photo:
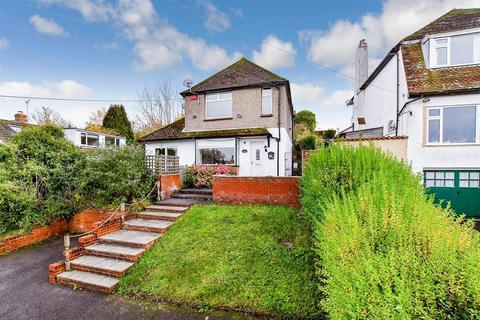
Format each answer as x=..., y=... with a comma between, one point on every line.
x=250, y=258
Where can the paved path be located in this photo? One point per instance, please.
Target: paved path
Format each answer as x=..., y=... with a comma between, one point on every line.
x=25, y=293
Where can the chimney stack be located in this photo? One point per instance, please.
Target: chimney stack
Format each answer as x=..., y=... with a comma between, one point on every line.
x=21, y=117
x=361, y=63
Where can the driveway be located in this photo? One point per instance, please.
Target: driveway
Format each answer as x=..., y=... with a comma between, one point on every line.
x=25, y=293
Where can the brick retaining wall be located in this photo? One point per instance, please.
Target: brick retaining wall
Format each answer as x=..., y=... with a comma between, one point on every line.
x=257, y=190
x=169, y=183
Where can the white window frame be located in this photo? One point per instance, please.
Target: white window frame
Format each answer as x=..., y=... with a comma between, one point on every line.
x=116, y=140
x=271, y=100
x=432, y=52
x=440, y=117
x=86, y=139
x=210, y=97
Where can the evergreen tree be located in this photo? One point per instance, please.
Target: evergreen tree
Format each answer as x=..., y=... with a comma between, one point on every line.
x=117, y=119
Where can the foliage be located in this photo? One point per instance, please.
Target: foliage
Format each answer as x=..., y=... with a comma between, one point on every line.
x=114, y=175
x=384, y=250
x=329, y=134
x=253, y=258
x=307, y=117
x=300, y=131
x=116, y=118
x=99, y=128
x=199, y=176
x=309, y=142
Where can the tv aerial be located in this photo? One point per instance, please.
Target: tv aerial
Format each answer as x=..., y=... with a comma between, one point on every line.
x=188, y=83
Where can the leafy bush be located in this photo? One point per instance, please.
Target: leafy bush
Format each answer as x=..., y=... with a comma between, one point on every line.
x=16, y=206
x=309, y=142
x=115, y=175
x=199, y=176
x=385, y=251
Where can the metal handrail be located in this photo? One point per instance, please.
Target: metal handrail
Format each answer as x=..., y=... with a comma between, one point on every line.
x=121, y=206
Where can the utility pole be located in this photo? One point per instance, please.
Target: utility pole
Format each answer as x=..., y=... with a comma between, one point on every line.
x=27, y=102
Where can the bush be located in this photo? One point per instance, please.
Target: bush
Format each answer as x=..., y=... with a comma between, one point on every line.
x=309, y=142
x=200, y=176
x=17, y=207
x=385, y=251
x=115, y=175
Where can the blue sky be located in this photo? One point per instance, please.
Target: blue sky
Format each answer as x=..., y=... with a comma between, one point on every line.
x=98, y=49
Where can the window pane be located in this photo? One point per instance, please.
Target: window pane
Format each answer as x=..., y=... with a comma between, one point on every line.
x=474, y=175
x=92, y=140
x=449, y=175
x=459, y=125
x=267, y=104
x=434, y=130
x=430, y=175
x=217, y=156
x=212, y=96
x=463, y=183
x=160, y=151
x=474, y=184
x=464, y=175
x=441, y=56
x=449, y=183
x=109, y=141
x=219, y=109
x=83, y=138
x=440, y=175
x=430, y=183
x=171, y=151
x=439, y=183
x=434, y=112
x=225, y=95
x=440, y=41
x=461, y=49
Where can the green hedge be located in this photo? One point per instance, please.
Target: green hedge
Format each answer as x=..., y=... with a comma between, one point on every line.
x=384, y=250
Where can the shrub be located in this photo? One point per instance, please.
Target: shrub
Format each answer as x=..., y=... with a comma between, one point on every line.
x=17, y=206
x=115, y=175
x=309, y=142
x=201, y=175
x=384, y=250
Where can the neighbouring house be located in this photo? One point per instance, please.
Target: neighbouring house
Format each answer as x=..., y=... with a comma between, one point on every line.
x=81, y=138
x=427, y=88
x=241, y=116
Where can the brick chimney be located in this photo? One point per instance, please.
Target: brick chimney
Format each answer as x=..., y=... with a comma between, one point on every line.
x=361, y=63
x=21, y=117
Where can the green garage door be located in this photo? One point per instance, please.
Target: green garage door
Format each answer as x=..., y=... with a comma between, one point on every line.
x=460, y=187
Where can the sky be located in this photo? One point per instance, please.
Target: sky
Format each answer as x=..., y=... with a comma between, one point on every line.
x=100, y=49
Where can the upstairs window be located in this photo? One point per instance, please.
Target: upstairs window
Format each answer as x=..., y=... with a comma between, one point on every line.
x=267, y=101
x=91, y=140
x=452, y=125
x=454, y=50
x=218, y=105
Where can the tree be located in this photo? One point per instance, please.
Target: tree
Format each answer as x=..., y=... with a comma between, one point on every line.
x=309, y=142
x=96, y=117
x=329, y=134
x=47, y=116
x=117, y=119
x=307, y=117
x=158, y=106
x=300, y=131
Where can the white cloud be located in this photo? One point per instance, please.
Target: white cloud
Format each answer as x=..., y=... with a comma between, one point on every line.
x=306, y=94
x=215, y=19
x=47, y=26
x=399, y=18
x=62, y=89
x=4, y=44
x=275, y=53
x=156, y=43
x=104, y=47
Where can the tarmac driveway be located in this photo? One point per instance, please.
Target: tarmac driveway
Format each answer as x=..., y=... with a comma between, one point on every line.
x=25, y=292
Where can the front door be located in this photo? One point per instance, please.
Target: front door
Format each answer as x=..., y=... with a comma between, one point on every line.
x=257, y=159
x=459, y=187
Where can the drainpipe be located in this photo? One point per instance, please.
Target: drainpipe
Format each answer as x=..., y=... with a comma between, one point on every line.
x=398, y=93
x=278, y=139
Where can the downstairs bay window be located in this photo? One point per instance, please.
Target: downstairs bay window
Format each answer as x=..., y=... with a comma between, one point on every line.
x=216, y=151
x=453, y=125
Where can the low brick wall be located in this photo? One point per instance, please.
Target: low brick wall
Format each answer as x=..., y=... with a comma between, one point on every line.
x=38, y=234
x=88, y=219
x=169, y=184
x=283, y=191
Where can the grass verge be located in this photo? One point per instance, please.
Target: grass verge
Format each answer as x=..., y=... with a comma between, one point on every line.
x=256, y=259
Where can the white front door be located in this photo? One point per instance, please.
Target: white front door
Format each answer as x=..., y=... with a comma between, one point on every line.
x=257, y=159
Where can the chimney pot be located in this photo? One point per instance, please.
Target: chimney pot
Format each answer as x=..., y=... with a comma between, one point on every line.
x=21, y=117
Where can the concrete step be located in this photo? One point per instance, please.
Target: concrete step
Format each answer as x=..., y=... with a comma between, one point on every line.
x=192, y=196
x=88, y=280
x=148, y=225
x=159, y=215
x=102, y=265
x=130, y=238
x=161, y=208
x=204, y=191
x=114, y=251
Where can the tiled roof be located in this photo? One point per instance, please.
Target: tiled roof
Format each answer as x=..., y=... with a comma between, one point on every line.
x=174, y=131
x=6, y=133
x=424, y=81
x=242, y=73
x=454, y=20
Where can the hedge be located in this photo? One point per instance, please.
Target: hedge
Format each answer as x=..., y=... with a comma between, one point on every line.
x=384, y=249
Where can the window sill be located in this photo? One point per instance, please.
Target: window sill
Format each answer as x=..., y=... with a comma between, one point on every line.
x=216, y=119
x=471, y=144
x=267, y=115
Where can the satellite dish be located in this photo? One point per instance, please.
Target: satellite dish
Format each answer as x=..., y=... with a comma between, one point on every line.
x=391, y=126
x=188, y=83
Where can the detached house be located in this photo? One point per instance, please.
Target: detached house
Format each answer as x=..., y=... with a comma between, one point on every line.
x=241, y=116
x=427, y=89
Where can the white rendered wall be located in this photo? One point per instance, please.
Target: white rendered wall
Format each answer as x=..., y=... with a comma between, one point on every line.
x=185, y=150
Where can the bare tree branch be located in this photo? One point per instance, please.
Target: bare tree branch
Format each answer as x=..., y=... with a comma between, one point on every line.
x=47, y=115
x=96, y=117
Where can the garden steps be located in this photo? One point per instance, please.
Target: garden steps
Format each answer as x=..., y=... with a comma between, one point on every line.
x=204, y=191
x=110, y=258
x=89, y=281
x=192, y=196
x=149, y=225
x=102, y=265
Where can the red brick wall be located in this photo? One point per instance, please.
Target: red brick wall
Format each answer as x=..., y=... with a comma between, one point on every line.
x=88, y=219
x=169, y=183
x=257, y=190
x=37, y=234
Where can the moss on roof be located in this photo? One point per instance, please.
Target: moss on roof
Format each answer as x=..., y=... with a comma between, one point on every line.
x=174, y=131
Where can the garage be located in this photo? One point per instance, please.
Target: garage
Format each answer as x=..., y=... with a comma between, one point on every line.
x=459, y=187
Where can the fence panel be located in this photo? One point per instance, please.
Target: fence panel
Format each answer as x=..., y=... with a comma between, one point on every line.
x=162, y=164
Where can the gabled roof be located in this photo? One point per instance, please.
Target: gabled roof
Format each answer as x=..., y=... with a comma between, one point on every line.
x=6, y=133
x=422, y=80
x=174, y=131
x=243, y=73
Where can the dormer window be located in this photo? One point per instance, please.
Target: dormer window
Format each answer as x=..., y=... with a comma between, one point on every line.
x=454, y=50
